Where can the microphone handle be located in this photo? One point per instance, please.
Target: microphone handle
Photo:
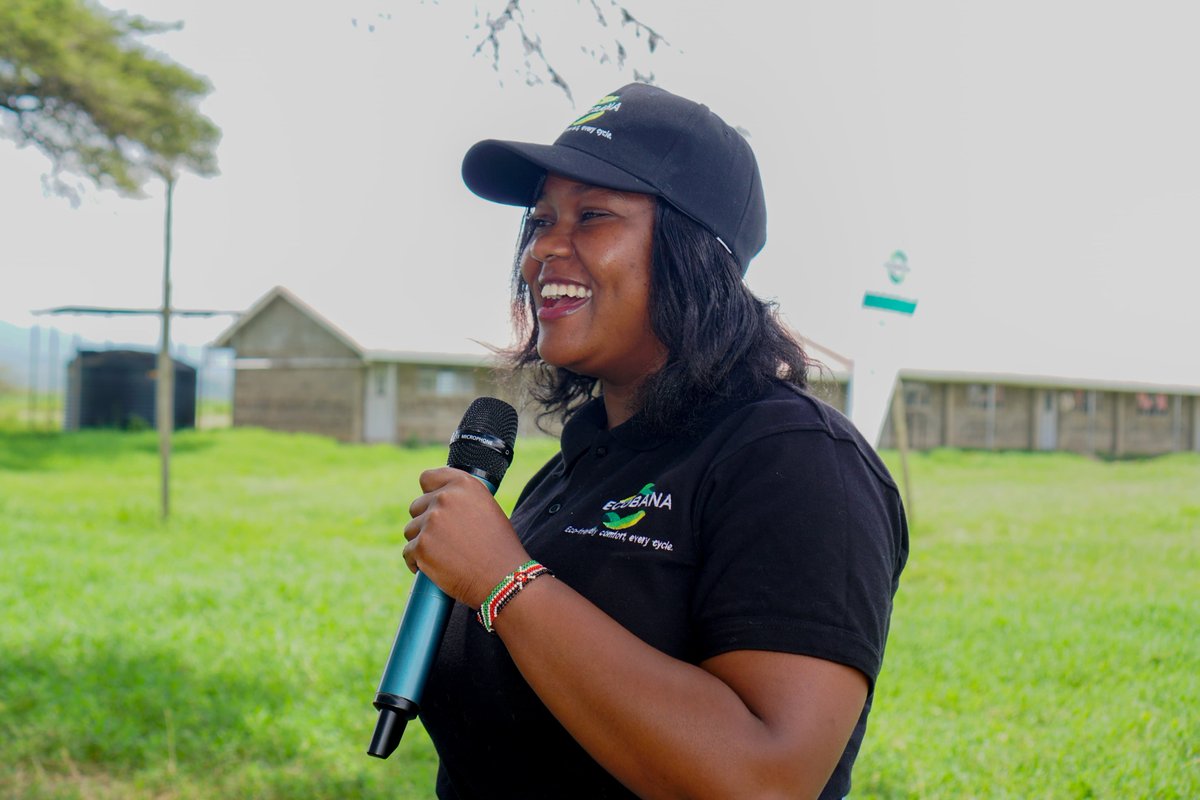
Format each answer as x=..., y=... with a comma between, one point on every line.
x=411, y=660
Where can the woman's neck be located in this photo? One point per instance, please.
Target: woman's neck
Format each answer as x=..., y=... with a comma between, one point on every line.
x=620, y=403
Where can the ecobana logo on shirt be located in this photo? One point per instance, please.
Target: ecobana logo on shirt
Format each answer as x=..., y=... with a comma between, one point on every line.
x=621, y=515
x=645, y=498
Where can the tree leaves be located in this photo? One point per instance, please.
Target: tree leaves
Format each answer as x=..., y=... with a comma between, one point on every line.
x=77, y=83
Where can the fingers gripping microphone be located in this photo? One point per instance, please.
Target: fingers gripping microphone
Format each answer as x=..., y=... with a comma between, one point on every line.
x=482, y=446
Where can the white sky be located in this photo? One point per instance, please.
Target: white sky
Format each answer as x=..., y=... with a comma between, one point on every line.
x=1036, y=161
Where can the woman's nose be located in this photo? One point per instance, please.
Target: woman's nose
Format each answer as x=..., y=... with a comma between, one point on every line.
x=552, y=241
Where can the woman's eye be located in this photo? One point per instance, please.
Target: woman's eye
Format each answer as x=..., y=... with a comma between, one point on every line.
x=586, y=215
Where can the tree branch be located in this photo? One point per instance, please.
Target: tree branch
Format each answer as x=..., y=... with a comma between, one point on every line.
x=536, y=61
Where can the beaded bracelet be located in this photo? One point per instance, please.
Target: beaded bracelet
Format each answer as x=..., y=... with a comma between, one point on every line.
x=506, y=590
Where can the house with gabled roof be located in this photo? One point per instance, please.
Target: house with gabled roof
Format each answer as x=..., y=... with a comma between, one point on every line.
x=295, y=370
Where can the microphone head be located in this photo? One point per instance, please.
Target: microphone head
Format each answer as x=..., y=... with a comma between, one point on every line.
x=484, y=440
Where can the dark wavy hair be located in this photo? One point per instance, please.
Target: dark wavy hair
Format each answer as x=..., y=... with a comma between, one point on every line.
x=722, y=342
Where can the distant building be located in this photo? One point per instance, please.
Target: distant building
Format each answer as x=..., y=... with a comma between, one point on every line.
x=294, y=370
x=118, y=389
x=1005, y=411
x=297, y=371
x=1030, y=412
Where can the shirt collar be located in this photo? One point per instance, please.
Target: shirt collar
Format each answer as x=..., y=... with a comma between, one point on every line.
x=589, y=427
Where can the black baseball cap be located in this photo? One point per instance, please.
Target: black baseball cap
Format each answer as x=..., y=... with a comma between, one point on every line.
x=643, y=139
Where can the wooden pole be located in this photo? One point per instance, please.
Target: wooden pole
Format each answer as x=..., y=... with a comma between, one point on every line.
x=900, y=427
x=52, y=380
x=165, y=382
x=35, y=358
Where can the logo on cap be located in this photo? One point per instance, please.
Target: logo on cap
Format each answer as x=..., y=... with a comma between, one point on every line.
x=605, y=104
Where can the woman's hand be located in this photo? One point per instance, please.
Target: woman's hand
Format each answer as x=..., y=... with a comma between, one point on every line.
x=459, y=537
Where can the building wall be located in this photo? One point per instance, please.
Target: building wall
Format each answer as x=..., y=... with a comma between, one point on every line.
x=327, y=402
x=1154, y=423
x=924, y=405
x=431, y=399
x=1195, y=423
x=1086, y=422
x=324, y=398
x=990, y=416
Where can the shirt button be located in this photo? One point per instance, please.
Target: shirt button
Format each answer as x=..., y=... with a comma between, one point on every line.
x=601, y=451
x=554, y=508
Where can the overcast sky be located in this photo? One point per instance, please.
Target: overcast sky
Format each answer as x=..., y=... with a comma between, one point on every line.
x=1037, y=162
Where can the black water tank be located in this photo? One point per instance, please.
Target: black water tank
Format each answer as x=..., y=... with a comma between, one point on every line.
x=116, y=389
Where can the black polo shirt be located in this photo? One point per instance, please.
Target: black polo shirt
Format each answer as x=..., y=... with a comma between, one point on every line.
x=775, y=527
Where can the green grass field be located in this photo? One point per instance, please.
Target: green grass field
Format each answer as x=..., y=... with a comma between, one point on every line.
x=1044, y=642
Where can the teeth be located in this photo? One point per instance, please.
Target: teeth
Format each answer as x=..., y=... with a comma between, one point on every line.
x=554, y=291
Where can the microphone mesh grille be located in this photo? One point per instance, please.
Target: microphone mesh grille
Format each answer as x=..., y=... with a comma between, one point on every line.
x=491, y=416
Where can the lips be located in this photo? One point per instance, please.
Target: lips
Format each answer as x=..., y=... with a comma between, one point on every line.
x=555, y=308
x=561, y=299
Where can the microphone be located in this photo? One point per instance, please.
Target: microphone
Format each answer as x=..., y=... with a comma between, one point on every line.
x=483, y=447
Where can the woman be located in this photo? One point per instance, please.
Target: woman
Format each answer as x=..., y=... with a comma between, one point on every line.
x=714, y=551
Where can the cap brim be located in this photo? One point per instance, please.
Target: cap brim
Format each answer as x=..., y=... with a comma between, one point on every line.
x=510, y=172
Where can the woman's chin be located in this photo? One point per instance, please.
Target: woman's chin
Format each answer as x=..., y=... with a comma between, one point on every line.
x=555, y=356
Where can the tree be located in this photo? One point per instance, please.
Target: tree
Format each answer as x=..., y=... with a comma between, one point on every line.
x=76, y=83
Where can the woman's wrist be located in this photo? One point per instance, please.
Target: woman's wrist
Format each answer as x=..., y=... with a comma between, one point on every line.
x=506, y=589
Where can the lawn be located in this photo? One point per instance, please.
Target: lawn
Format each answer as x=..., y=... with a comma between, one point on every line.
x=1044, y=640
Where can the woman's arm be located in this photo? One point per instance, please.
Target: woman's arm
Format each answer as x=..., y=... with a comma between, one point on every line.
x=742, y=724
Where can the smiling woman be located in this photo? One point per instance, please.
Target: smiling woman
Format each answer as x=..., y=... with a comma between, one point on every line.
x=724, y=547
